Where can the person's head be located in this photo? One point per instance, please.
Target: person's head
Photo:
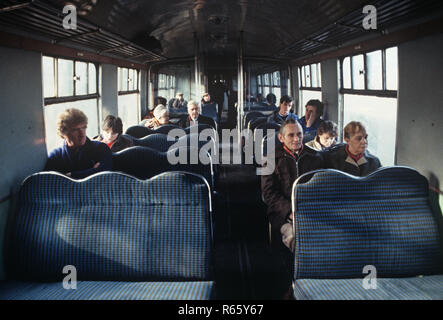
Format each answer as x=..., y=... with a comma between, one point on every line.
x=71, y=126
x=206, y=97
x=314, y=109
x=193, y=109
x=291, y=135
x=179, y=96
x=356, y=137
x=285, y=104
x=326, y=133
x=112, y=127
x=160, y=100
x=161, y=114
x=271, y=99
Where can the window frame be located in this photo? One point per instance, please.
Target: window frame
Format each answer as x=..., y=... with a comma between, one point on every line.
x=57, y=99
x=303, y=77
x=119, y=76
x=383, y=93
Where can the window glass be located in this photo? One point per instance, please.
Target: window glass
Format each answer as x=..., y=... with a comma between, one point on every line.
x=307, y=95
x=319, y=74
x=65, y=77
x=301, y=72
x=81, y=78
x=314, y=78
x=392, y=69
x=276, y=78
x=51, y=112
x=379, y=116
x=124, y=79
x=48, y=77
x=128, y=109
x=92, y=78
x=375, y=70
x=347, y=84
x=266, y=79
x=308, y=76
x=358, y=72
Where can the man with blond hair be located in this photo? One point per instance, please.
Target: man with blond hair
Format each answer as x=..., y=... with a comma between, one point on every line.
x=79, y=157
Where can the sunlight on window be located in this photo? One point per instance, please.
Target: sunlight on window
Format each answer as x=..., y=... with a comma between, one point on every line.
x=379, y=116
x=128, y=106
x=305, y=96
x=51, y=112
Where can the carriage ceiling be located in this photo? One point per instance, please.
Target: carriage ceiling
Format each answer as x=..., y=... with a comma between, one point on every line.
x=150, y=30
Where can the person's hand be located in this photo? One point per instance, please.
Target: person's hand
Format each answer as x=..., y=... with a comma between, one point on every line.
x=96, y=165
x=310, y=120
x=150, y=123
x=291, y=216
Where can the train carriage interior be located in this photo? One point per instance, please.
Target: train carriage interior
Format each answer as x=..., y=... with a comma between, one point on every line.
x=378, y=62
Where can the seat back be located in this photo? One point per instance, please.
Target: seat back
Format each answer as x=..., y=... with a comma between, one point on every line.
x=251, y=116
x=210, y=110
x=144, y=163
x=138, y=131
x=111, y=227
x=344, y=223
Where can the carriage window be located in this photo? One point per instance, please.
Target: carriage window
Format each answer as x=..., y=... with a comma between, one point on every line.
x=65, y=76
x=68, y=84
x=128, y=97
x=166, y=85
x=373, y=71
x=310, y=85
x=392, y=69
x=368, y=88
x=49, y=77
x=81, y=78
x=379, y=116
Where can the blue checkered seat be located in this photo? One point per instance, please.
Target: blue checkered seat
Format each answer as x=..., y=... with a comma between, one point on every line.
x=127, y=239
x=144, y=163
x=344, y=223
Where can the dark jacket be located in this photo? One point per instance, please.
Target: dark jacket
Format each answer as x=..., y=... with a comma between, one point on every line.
x=185, y=122
x=120, y=144
x=337, y=158
x=277, y=187
x=275, y=117
x=80, y=163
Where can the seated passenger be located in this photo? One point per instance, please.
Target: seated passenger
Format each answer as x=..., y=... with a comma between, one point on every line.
x=178, y=102
x=325, y=138
x=291, y=161
x=193, y=117
x=312, y=119
x=353, y=157
x=271, y=100
x=206, y=99
x=79, y=157
x=161, y=117
x=283, y=113
x=112, y=130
